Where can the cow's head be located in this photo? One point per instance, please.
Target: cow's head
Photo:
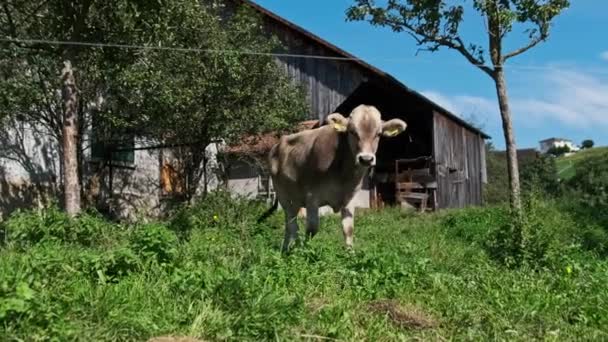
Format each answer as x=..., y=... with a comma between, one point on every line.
x=364, y=127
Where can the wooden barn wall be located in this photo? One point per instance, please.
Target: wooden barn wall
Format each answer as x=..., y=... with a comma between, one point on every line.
x=327, y=83
x=459, y=159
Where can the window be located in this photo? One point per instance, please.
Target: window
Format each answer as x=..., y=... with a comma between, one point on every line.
x=115, y=146
x=172, y=179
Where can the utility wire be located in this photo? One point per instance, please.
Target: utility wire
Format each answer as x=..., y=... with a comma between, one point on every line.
x=257, y=53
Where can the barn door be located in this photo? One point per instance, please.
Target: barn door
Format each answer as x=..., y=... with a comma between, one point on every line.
x=452, y=168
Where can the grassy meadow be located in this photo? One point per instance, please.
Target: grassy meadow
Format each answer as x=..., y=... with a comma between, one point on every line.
x=566, y=166
x=212, y=274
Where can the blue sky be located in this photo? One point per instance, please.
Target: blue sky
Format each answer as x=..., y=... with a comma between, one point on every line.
x=557, y=89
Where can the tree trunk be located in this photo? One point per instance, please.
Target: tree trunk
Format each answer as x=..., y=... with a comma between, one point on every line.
x=507, y=127
x=71, y=183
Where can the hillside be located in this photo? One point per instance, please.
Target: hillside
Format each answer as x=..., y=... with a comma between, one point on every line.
x=566, y=165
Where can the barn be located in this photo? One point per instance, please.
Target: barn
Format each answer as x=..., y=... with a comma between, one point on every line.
x=439, y=154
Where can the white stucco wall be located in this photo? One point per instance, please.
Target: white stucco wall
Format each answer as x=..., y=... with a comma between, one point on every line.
x=545, y=146
x=29, y=166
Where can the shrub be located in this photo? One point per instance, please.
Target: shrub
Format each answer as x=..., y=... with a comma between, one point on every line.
x=32, y=293
x=30, y=227
x=540, y=175
x=595, y=238
x=474, y=224
x=558, y=151
x=588, y=143
x=590, y=182
x=27, y=228
x=535, y=240
x=537, y=173
x=112, y=265
x=154, y=241
x=216, y=209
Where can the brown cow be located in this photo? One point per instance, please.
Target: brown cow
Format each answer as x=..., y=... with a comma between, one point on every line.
x=326, y=166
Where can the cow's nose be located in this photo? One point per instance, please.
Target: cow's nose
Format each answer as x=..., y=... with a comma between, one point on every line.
x=367, y=159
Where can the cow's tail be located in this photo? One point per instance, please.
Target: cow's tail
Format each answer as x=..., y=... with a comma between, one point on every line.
x=269, y=212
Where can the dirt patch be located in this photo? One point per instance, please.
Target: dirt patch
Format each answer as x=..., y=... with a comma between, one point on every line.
x=403, y=316
x=174, y=339
x=316, y=304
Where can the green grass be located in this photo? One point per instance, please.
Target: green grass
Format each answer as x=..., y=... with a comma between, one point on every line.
x=566, y=165
x=411, y=277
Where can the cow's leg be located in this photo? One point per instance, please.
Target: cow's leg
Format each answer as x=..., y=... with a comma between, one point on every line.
x=348, y=224
x=312, y=219
x=291, y=227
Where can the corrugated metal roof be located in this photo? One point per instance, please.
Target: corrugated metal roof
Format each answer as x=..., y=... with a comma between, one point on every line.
x=362, y=64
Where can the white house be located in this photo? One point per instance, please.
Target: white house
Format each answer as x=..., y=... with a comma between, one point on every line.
x=547, y=144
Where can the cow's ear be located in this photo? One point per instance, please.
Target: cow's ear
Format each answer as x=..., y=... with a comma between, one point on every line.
x=338, y=122
x=393, y=127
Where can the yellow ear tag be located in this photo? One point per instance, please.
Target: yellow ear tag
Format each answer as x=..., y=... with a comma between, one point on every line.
x=339, y=127
x=392, y=132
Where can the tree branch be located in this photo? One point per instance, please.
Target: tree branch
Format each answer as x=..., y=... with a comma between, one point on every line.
x=9, y=18
x=460, y=47
x=423, y=37
x=521, y=50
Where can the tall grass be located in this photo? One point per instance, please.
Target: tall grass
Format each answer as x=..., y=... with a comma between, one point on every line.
x=211, y=272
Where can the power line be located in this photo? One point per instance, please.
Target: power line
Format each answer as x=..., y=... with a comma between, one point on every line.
x=166, y=48
x=257, y=53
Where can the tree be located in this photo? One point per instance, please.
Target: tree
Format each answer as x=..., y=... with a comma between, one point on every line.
x=540, y=174
x=180, y=95
x=191, y=99
x=558, y=151
x=36, y=86
x=494, y=192
x=436, y=23
x=587, y=143
x=69, y=132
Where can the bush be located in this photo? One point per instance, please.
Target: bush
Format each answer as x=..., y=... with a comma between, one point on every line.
x=537, y=173
x=595, y=239
x=590, y=182
x=217, y=209
x=474, y=224
x=27, y=228
x=112, y=265
x=537, y=240
x=540, y=175
x=32, y=293
x=154, y=242
x=587, y=144
x=558, y=151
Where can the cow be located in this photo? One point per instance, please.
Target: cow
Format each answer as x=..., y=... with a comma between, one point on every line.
x=326, y=166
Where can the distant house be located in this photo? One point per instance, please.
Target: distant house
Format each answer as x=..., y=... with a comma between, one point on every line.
x=547, y=144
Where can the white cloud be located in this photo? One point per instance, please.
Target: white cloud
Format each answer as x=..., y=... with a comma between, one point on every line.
x=442, y=100
x=570, y=96
x=604, y=55
x=564, y=95
x=475, y=109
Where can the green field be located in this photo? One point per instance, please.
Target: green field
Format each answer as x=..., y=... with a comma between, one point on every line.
x=566, y=165
x=211, y=273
